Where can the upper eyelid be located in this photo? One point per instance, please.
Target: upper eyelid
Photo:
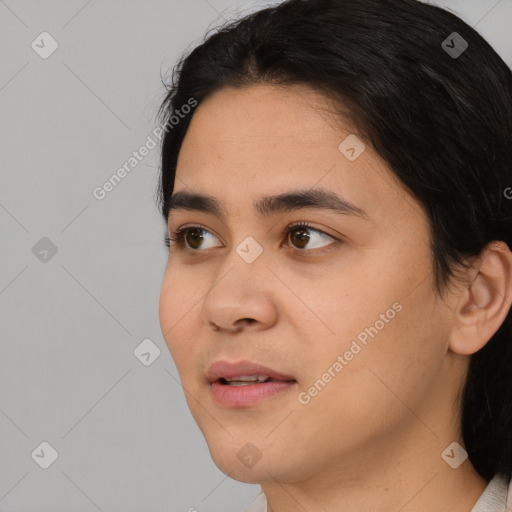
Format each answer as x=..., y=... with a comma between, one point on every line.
x=288, y=227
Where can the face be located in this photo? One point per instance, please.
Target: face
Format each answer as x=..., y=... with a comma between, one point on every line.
x=334, y=300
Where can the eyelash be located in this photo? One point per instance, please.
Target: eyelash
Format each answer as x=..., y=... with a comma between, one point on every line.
x=179, y=236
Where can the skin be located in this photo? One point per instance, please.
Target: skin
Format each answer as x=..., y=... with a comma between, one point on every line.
x=372, y=438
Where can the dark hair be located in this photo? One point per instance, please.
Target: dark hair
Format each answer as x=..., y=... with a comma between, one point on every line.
x=442, y=122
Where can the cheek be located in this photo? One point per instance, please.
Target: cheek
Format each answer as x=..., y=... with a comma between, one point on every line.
x=387, y=369
x=391, y=342
x=179, y=303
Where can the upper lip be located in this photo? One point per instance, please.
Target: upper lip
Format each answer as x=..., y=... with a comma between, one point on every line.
x=225, y=369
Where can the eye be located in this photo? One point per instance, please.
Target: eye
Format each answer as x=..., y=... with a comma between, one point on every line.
x=300, y=234
x=190, y=237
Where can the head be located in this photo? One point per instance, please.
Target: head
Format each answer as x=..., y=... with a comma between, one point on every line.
x=402, y=289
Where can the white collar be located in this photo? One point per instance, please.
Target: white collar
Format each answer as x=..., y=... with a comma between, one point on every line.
x=494, y=498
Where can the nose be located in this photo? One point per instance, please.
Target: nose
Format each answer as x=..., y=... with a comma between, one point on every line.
x=236, y=326
x=240, y=297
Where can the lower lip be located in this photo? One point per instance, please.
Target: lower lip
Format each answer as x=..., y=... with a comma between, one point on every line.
x=247, y=395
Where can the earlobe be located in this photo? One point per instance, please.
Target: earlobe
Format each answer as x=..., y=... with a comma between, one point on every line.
x=484, y=302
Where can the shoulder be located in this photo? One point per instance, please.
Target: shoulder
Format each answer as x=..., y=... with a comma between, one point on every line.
x=259, y=504
x=497, y=496
x=509, y=498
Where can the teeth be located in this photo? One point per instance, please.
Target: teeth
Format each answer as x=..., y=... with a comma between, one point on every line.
x=238, y=383
x=248, y=378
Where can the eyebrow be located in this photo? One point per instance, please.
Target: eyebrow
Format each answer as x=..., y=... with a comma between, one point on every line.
x=267, y=206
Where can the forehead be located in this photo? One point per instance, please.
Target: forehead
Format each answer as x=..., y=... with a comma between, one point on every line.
x=271, y=119
x=246, y=143
x=261, y=132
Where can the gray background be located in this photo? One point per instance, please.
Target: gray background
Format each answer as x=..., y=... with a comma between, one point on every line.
x=70, y=321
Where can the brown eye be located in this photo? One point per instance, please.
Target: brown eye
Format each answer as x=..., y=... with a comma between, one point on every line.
x=193, y=237
x=301, y=235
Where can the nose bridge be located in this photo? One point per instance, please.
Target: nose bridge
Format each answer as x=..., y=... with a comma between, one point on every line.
x=245, y=254
x=243, y=267
x=237, y=292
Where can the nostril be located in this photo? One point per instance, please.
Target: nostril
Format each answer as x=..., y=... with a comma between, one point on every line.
x=236, y=325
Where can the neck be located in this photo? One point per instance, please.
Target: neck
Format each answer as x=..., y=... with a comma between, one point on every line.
x=397, y=471
x=397, y=482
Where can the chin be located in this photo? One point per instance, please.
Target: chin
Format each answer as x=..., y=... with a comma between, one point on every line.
x=240, y=459
x=240, y=468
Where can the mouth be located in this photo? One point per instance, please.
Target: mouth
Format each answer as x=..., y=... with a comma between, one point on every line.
x=245, y=384
x=246, y=380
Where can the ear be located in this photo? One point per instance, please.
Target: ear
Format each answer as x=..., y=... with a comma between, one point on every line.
x=484, y=301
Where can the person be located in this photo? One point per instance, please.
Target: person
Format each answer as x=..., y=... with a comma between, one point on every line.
x=335, y=181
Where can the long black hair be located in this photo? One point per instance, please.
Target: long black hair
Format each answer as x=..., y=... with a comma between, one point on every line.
x=435, y=105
